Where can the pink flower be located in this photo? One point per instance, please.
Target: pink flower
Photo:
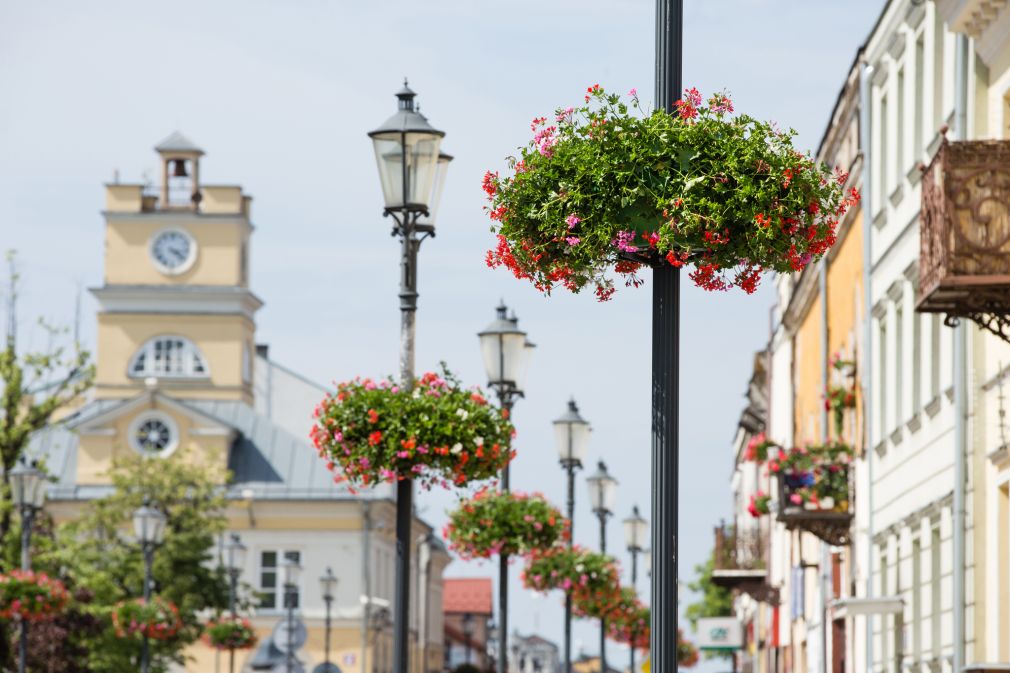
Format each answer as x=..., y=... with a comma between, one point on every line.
x=633, y=93
x=572, y=220
x=692, y=96
x=796, y=499
x=573, y=240
x=625, y=241
x=565, y=114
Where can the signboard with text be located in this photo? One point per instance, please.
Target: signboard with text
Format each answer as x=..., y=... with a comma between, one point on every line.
x=719, y=633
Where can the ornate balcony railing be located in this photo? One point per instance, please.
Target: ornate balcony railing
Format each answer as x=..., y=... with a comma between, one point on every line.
x=740, y=563
x=964, y=262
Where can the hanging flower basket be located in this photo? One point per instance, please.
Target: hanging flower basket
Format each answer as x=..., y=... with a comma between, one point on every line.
x=607, y=187
x=591, y=578
x=31, y=596
x=229, y=633
x=511, y=524
x=628, y=621
x=158, y=619
x=687, y=653
x=438, y=433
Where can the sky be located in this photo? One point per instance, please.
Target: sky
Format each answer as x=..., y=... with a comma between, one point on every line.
x=281, y=95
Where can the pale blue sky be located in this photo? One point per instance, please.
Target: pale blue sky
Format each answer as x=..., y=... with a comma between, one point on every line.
x=281, y=94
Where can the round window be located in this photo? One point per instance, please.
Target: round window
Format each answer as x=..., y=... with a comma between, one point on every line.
x=154, y=434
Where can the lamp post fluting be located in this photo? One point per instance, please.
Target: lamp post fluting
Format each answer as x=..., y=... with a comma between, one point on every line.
x=506, y=352
x=149, y=527
x=328, y=585
x=571, y=436
x=28, y=492
x=236, y=552
x=665, y=382
x=292, y=572
x=636, y=530
x=412, y=173
x=602, y=494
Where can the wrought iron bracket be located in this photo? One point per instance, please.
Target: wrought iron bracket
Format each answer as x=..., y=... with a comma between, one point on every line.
x=832, y=527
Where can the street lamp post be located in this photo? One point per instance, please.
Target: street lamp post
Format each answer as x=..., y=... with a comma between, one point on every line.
x=149, y=526
x=602, y=494
x=468, y=628
x=636, y=529
x=236, y=552
x=665, y=381
x=506, y=354
x=412, y=172
x=28, y=491
x=571, y=435
x=328, y=584
x=292, y=571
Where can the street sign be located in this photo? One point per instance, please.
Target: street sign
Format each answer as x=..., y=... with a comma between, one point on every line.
x=298, y=634
x=720, y=633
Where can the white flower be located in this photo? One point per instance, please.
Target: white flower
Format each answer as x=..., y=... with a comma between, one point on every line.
x=456, y=448
x=479, y=441
x=462, y=413
x=580, y=568
x=416, y=393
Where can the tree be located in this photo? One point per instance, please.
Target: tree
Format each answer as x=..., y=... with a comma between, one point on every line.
x=716, y=601
x=97, y=554
x=34, y=386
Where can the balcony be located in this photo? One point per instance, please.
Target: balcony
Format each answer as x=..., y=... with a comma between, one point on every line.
x=739, y=563
x=964, y=262
x=816, y=500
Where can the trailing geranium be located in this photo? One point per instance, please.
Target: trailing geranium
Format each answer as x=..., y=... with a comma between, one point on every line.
x=31, y=596
x=493, y=522
x=439, y=432
x=606, y=187
x=628, y=621
x=158, y=619
x=591, y=578
x=229, y=633
x=759, y=504
x=687, y=653
x=840, y=397
x=757, y=448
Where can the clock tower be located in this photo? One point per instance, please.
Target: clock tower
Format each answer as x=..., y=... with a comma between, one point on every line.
x=175, y=310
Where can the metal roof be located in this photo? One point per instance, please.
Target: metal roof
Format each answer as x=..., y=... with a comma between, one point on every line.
x=177, y=143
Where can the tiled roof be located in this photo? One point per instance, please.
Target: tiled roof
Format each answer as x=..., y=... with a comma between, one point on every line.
x=471, y=594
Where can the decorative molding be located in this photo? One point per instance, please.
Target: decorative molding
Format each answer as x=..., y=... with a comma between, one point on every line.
x=880, y=219
x=879, y=309
x=911, y=272
x=879, y=73
x=896, y=436
x=1000, y=458
x=914, y=174
x=897, y=195
x=177, y=299
x=896, y=46
x=916, y=13
x=881, y=448
x=933, y=406
x=895, y=290
x=914, y=423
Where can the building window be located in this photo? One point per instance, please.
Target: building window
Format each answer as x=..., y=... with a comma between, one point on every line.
x=884, y=168
x=916, y=363
x=920, y=110
x=939, y=35
x=899, y=365
x=936, y=608
x=899, y=130
x=154, y=434
x=882, y=368
x=934, y=356
x=168, y=356
x=271, y=587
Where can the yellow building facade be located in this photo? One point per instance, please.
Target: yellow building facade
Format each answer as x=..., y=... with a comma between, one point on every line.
x=178, y=367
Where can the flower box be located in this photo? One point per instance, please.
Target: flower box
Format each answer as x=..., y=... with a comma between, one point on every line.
x=31, y=596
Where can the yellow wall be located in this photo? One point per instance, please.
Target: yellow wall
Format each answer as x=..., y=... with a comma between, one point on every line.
x=218, y=260
x=220, y=339
x=845, y=297
x=809, y=394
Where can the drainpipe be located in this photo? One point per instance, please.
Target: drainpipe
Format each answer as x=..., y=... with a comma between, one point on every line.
x=825, y=419
x=960, y=382
x=865, y=378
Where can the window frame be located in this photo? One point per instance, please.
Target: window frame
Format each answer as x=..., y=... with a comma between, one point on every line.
x=155, y=415
x=192, y=359
x=277, y=592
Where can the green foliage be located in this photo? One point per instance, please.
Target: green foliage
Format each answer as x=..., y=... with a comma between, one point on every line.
x=493, y=523
x=158, y=619
x=715, y=601
x=436, y=432
x=728, y=194
x=98, y=552
x=228, y=633
x=590, y=577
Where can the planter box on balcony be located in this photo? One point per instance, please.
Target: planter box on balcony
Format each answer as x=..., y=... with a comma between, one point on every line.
x=964, y=262
x=830, y=523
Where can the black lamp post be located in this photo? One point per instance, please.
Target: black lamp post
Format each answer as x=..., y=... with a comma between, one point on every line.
x=468, y=629
x=292, y=572
x=665, y=381
x=28, y=491
x=571, y=435
x=602, y=495
x=328, y=584
x=236, y=552
x=636, y=529
x=149, y=526
x=506, y=354
x=412, y=173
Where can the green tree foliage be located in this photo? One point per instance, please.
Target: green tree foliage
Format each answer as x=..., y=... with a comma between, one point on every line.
x=715, y=601
x=97, y=554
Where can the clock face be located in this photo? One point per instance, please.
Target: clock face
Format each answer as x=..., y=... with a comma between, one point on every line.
x=173, y=251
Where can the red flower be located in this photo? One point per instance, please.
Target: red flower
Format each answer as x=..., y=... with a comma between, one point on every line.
x=374, y=438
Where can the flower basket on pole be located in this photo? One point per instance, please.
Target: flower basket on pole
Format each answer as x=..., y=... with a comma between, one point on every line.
x=438, y=433
x=591, y=578
x=504, y=523
x=610, y=186
x=157, y=619
x=230, y=633
x=31, y=596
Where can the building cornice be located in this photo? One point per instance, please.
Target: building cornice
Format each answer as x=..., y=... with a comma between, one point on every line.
x=177, y=299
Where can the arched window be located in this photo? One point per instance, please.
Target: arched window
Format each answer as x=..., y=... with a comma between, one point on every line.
x=168, y=356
